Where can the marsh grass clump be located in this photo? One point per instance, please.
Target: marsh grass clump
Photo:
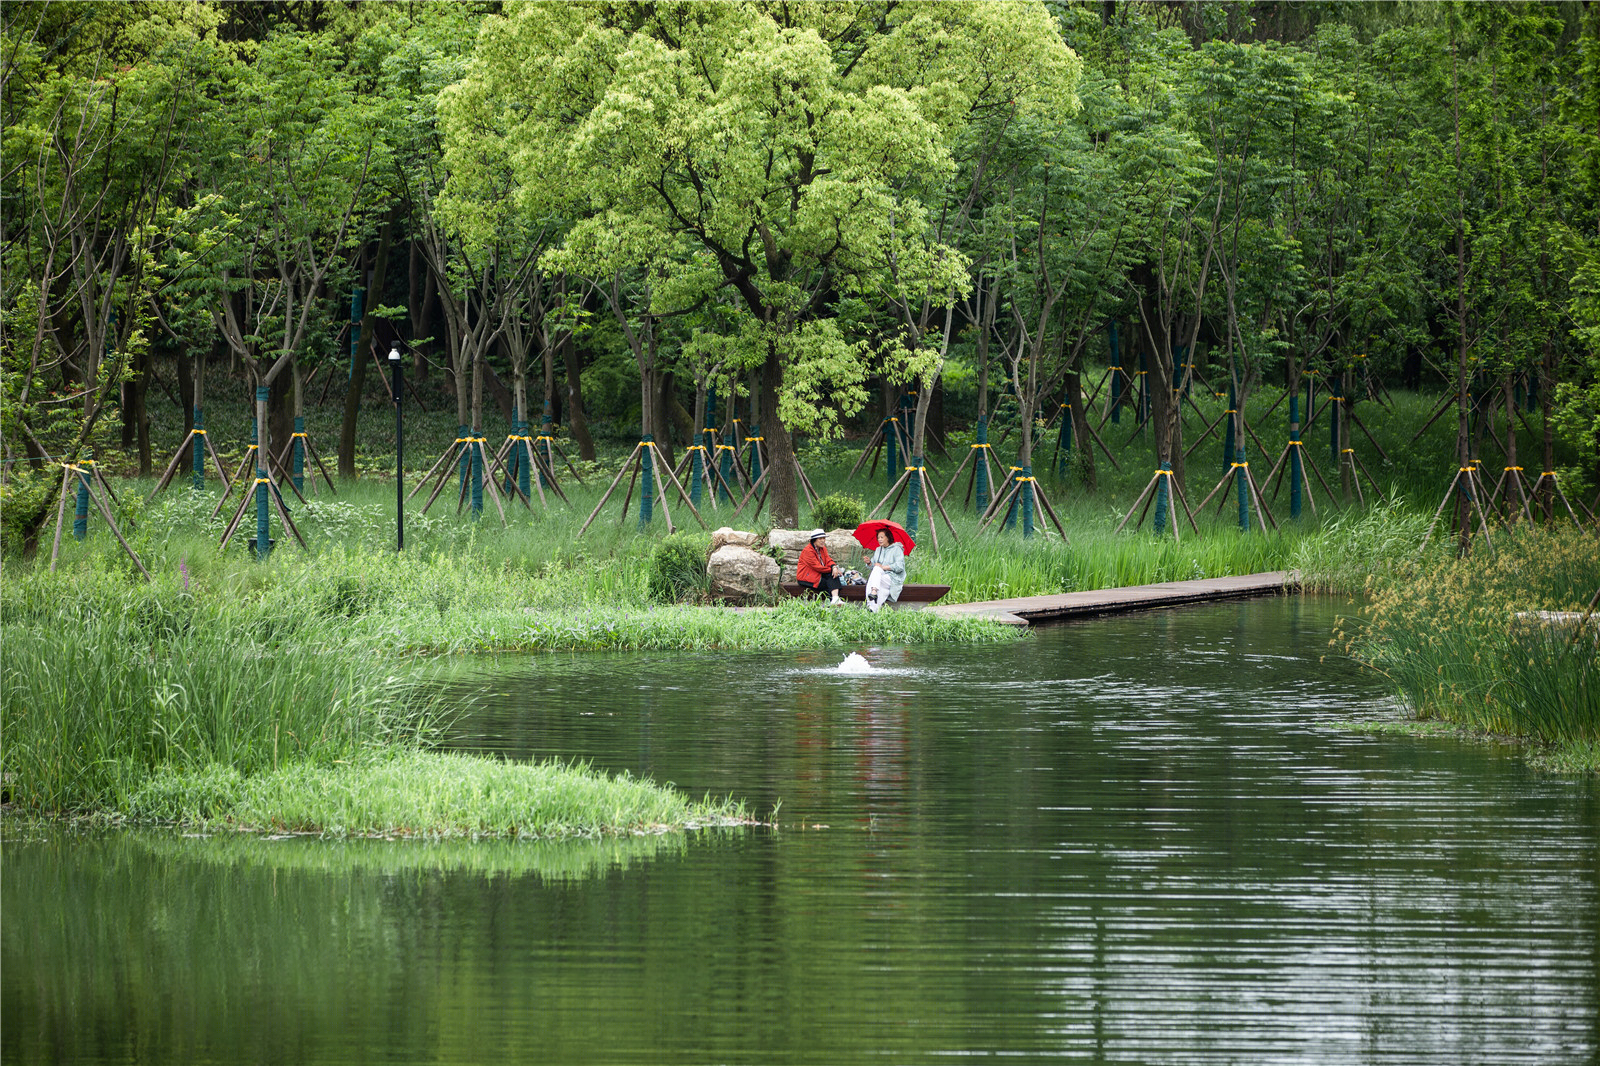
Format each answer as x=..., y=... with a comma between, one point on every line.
x=792, y=624
x=419, y=793
x=1462, y=639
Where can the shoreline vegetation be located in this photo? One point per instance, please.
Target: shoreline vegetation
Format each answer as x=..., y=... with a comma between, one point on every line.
x=196, y=697
x=1463, y=643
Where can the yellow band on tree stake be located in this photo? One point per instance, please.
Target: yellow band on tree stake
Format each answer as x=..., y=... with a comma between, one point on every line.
x=1298, y=444
x=263, y=481
x=199, y=431
x=1237, y=465
x=985, y=445
x=293, y=435
x=1513, y=468
x=1347, y=451
x=1020, y=479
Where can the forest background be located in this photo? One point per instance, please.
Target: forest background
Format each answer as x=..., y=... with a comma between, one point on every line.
x=613, y=214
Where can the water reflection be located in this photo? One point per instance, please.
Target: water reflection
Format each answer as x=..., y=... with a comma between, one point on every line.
x=1132, y=840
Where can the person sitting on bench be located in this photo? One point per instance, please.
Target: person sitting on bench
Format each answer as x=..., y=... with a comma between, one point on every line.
x=816, y=569
x=888, y=571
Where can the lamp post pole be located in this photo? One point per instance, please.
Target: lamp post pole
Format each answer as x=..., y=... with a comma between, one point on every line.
x=399, y=449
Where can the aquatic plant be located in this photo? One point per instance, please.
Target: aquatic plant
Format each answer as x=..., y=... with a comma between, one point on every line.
x=417, y=793
x=1463, y=640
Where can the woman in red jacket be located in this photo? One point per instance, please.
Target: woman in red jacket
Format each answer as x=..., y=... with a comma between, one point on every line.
x=816, y=569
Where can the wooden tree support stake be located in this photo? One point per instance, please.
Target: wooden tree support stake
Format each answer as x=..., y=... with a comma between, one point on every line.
x=491, y=471
x=1281, y=468
x=663, y=474
x=1263, y=516
x=920, y=473
x=1349, y=459
x=1468, y=484
x=1003, y=502
x=89, y=476
x=1555, y=486
x=1148, y=496
x=182, y=453
x=276, y=499
x=316, y=456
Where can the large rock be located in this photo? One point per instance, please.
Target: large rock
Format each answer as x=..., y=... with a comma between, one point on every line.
x=845, y=549
x=728, y=535
x=739, y=571
x=790, y=540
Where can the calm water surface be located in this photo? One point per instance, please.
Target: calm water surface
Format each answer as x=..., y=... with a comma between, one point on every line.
x=1136, y=840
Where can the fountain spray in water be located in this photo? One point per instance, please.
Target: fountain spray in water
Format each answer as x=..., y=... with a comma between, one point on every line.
x=855, y=664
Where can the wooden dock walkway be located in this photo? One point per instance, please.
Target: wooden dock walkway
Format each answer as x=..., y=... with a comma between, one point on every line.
x=1031, y=610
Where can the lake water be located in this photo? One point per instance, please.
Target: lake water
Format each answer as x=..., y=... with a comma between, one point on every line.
x=1136, y=840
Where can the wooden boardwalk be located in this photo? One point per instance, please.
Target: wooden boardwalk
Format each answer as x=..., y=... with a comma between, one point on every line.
x=1030, y=610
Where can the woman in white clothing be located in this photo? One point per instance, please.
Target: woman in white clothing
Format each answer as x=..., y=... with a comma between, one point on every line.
x=888, y=572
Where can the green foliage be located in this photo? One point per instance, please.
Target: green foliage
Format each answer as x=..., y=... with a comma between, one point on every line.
x=838, y=510
x=1462, y=639
x=103, y=682
x=23, y=498
x=678, y=566
x=415, y=793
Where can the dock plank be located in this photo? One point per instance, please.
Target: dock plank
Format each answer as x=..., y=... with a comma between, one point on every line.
x=1030, y=610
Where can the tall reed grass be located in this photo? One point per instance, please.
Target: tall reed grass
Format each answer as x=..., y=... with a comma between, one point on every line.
x=1462, y=641
x=101, y=682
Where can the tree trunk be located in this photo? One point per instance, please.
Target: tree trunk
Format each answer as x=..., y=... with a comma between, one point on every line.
x=577, y=421
x=359, y=359
x=186, y=398
x=1083, y=443
x=141, y=388
x=783, y=499
x=280, y=417
x=661, y=417
x=420, y=289
x=503, y=397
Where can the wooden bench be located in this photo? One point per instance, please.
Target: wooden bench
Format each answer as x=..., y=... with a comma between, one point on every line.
x=858, y=593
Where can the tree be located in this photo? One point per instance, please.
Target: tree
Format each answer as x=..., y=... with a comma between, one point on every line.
x=782, y=139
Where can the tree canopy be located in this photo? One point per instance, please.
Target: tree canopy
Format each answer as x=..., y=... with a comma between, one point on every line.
x=803, y=200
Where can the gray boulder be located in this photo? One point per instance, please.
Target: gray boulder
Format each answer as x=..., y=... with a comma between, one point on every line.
x=742, y=572
x=728, y=535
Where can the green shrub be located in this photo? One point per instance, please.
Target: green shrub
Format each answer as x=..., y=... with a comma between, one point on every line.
x=22, y=504
x=678, y=566
x=838, y=511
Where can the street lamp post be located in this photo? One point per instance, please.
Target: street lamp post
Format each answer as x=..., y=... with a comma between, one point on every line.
x=399, y=449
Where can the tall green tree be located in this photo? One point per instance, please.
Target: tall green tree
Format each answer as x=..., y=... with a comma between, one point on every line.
x=779, y=138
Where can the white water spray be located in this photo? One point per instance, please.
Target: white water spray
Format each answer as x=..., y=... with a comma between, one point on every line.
x=855, y=664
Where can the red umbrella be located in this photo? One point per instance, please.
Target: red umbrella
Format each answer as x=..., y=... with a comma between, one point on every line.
x=867, y=534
